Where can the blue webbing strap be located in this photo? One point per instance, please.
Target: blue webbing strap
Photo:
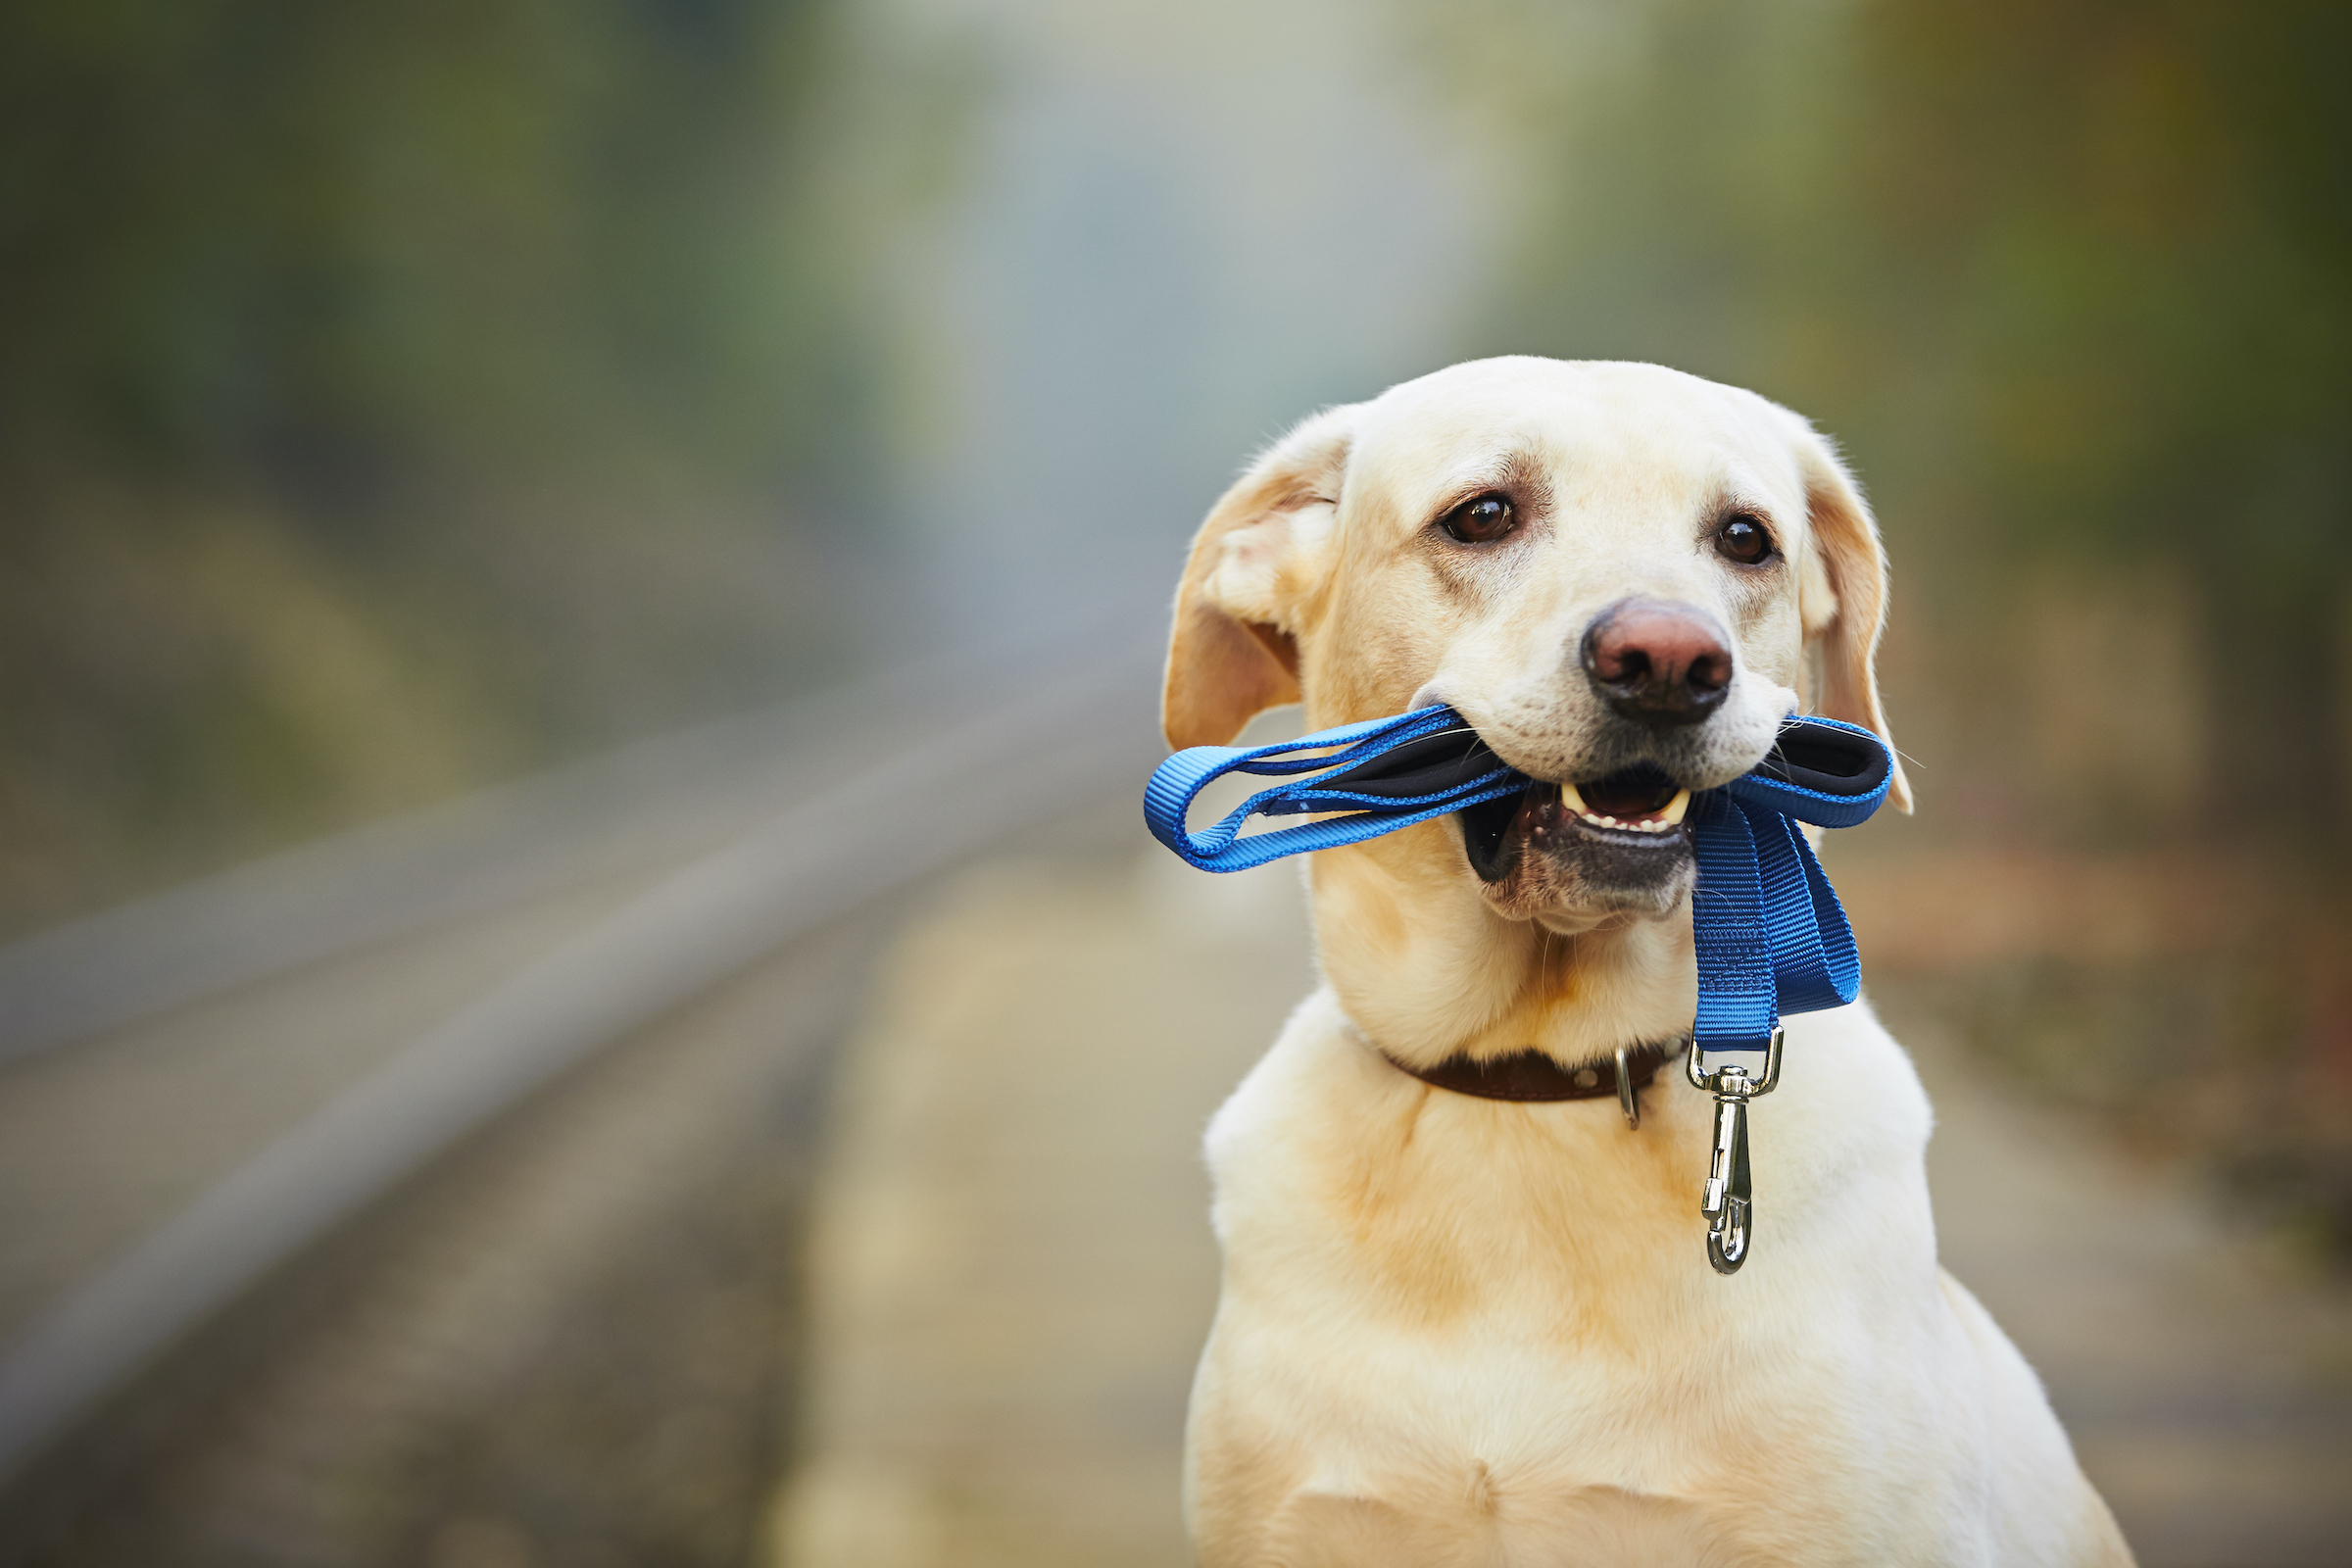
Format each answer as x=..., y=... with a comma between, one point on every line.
x=1367, y=814
x=1770, y=934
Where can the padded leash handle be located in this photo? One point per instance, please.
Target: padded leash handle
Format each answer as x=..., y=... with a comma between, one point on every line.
x=1374, y=777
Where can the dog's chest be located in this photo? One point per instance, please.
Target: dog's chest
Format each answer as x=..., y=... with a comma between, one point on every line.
x=1431, y=1299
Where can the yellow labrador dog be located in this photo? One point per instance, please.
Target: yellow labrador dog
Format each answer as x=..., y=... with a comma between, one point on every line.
x=1463, y=1331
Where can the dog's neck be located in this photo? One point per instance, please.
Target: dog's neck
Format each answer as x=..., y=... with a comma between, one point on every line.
x=1428, y=970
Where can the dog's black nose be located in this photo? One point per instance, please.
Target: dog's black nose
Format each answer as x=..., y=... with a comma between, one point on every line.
x=1658, y=662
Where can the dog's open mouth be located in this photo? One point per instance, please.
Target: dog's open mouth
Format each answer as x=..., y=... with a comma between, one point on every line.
x=1636, y=811
x=1638, y=800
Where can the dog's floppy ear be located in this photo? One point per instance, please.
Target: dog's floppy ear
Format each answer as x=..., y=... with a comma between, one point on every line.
x=1844, y=598
x=1234, y=652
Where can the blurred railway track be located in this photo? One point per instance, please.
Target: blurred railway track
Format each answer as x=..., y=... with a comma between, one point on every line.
x=479, y=1133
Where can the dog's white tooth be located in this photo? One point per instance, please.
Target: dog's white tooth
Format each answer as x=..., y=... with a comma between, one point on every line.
x=1675, y=808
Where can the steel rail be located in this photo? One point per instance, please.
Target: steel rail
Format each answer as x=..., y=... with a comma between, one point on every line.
x=633, y=809
x=935, y=800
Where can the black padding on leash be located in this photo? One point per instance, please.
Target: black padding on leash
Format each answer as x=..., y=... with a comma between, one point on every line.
x=1417, y=768
x=1829, y=758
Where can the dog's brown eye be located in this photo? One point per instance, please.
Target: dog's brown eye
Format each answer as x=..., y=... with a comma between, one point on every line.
x=1743, y=538
x=1481, y=520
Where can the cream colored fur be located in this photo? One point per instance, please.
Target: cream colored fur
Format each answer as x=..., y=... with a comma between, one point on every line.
x=1460, y=1331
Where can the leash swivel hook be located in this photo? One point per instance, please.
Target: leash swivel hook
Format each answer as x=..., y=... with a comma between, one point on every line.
x=1728, y=1201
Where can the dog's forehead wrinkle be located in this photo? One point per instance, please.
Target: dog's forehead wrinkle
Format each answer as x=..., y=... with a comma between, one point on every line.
x=1418, y=484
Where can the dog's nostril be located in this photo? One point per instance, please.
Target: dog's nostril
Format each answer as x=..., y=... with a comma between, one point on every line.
x=1657, y=662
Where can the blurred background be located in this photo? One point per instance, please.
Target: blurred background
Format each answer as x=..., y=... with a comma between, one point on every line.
x=577, y=591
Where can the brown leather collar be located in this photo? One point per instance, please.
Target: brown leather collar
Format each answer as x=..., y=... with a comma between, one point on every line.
x=1531, y=1076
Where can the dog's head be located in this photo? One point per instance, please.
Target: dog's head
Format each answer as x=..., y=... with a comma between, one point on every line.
x=1623, y=575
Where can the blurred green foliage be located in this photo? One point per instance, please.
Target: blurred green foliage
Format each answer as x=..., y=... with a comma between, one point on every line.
x=330, y=241
x=395, y=395
x=2071, y=279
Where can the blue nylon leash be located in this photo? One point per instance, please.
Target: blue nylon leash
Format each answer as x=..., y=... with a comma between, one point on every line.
x=1374, y=806
x=1770, y=935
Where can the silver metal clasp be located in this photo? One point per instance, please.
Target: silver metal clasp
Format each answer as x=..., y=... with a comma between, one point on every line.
x=1728, y=1201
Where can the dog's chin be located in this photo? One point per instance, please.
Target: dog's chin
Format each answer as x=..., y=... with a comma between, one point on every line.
x=1615, y=846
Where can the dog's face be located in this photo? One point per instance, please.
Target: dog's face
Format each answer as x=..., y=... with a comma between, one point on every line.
x=1624, y=576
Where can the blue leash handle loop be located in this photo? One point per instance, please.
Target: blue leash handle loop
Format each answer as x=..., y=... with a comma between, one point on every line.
x=1770, y=934
x=1350, y=778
